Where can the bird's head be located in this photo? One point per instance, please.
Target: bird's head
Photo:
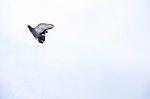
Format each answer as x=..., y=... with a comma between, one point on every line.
x=30, y=28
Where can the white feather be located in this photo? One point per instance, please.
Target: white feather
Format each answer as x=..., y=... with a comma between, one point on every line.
x=43, y=26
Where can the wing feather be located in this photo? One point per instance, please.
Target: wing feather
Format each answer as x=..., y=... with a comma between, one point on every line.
x=43, y=26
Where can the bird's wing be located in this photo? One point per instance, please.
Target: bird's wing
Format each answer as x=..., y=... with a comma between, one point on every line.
x=43, y=26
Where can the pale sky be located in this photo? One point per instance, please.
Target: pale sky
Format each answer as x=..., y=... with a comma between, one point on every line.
x=98, y=49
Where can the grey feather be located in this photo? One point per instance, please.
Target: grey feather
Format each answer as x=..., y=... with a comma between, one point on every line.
x=39, y=31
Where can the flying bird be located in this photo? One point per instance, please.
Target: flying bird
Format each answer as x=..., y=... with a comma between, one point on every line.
x=39, y=31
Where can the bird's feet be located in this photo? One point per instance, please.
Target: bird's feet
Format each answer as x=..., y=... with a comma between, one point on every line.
x=46, y=31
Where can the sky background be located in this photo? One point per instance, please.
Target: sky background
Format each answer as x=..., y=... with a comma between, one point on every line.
x=98, y=49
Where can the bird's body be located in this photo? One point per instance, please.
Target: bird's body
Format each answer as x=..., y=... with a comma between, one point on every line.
x=39, y=31
x=32, y=30
x=41, y=39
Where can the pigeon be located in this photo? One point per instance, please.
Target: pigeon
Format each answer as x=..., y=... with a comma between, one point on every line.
x=39, y=31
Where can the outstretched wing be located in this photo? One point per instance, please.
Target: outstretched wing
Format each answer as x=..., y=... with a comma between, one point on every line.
x=43, y=26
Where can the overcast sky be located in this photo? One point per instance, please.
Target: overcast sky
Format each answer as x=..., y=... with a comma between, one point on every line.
x=98, y=49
